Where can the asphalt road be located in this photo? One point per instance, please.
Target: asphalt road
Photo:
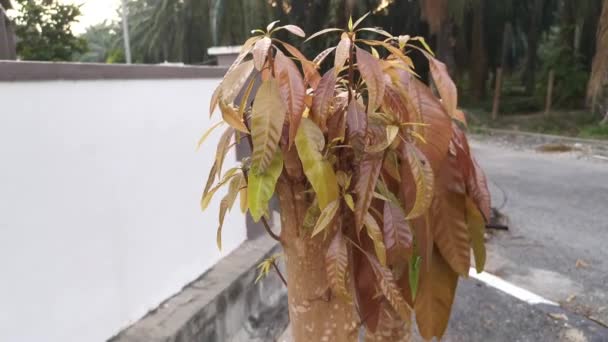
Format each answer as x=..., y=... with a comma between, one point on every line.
x=556, y=247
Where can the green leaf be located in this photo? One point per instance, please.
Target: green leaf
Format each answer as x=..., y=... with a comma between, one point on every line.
x=350, y=23
x=260, y=187
x=268, y=115
x=310, y=142
x=424, y=180
x=477, y=228
x=375, y=233
x=326, y=218
x=348, y=198
x=414, y=274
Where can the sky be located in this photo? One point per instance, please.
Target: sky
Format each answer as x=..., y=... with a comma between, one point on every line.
x=94, y=12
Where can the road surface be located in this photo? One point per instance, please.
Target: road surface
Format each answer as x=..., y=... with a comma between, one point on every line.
x=557, y=247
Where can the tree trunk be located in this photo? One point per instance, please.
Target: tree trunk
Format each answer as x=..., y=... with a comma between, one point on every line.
x=533, y=35
x=315, y=315
x=599, y=71
x=479, y=58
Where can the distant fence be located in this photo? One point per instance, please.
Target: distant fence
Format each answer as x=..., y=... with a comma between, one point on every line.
x=7, y=37
x=100, y=184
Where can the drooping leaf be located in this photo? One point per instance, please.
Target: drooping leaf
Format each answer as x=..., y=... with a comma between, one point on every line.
x=385, y=140
x=422, y=176
x=293, y=91
x=445, y=85
x=222, y=148
x=425, y=108
x=226, y=204
x=209, y=193
x=324, y=94
x=310, y=142
x=328, y=214
x=391, y=165
x=375, y=233
x=267, y=117
x=232, y=118
x=336, y=265
x=448, y=218
x=377, y=31
x=434, y=298
x=234, y=81
x=201, y=141
x=476, y=225
x=348, y=198
x=367, y=177
x=374, y=79
x=321, y=56
x=356, y=124
x=294, y=30
x=342, y=52
x=391, y=327
x=260, y=52
x=394, y=104
x=397, y=231
x=311, y=216
x=477, y=188
x=311, y=74
x=389, y=288
x=261, y=185
x=243, y=196
x=233, y=76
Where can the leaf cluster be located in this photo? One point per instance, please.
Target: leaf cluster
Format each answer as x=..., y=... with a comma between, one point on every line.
x=389, y=174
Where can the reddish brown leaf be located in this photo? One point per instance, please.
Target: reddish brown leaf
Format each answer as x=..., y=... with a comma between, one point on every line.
x=311, y=74
x=477, y=188
x=324, y=95
x=397, y=232
x=389, y=288
x=356, y=124
x=321, y=56
x=367, y=176
x=336, y=264
x=434, y=298
x=342, y=52
x=423, y=179
x=260, y=52
x=391, y=327
x=394, y=104
x=374, y=79
x=448, y=218
x=293, y=91
x=445, y=85
x=294, y=30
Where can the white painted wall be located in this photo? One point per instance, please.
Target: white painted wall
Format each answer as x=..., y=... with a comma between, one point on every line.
x=99, y=203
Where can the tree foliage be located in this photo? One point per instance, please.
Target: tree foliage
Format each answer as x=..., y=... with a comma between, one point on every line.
x=374, y=146
x=44, y=32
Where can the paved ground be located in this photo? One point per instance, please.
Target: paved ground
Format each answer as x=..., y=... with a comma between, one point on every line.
x=557, y=247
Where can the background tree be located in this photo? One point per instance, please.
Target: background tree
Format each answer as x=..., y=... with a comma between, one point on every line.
x=44, y=31
x=101, y=40
x=599, y=74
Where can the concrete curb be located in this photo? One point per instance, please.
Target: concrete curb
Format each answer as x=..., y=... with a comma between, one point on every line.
x=224, y=304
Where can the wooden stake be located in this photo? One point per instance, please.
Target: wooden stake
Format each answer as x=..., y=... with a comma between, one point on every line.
x=497, y=91
x=549, y=92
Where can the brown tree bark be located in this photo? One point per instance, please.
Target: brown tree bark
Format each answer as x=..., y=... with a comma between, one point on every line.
x=314, y=313
x=533, y=37
x=479, y=58
x=599, y=72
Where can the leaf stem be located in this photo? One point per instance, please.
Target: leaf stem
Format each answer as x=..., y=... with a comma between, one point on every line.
x=276, y=268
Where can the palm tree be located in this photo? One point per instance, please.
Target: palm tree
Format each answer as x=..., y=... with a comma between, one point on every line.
x=599, y=71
